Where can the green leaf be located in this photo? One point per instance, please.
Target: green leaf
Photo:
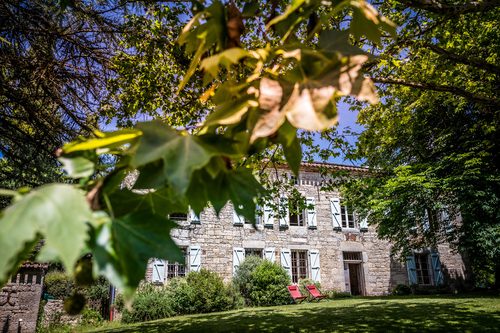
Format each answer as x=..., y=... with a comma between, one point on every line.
x=160, y=202
x=58, y=212
x=151, y=176
x=139, y=236
x=338, y=41
x=289, y=10
x=243, y=191
x=103, y=140
x=225, y=58
x=181, y=155
x=293, y=155
x=77, y=167
x=230, y=112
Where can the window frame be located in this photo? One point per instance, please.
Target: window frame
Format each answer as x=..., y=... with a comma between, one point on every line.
x=299, y=267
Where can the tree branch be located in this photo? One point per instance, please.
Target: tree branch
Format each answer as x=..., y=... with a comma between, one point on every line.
x=438, y=7
x=442, y=88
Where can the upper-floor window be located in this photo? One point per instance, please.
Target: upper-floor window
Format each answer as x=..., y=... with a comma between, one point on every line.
x=348, y=217
x=178, y=216
x=296, y=215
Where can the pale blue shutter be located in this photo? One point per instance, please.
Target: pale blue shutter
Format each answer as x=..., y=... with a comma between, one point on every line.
x=195, y=219
x=436, y=269
x=286, y=261
x=238, y=257
x=311, y=213
x=194, y=258
x=315, y=268
x=237, y=219
x=269, y=254
x=363, y=224
x=268, y=216
x=335, y=210
x=284, y=216
x=412, y=270
x=158, y=271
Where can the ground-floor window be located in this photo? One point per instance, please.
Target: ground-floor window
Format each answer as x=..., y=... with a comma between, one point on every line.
x=299, y=265
x=422, y=268
x=254, y=252
x=164, y=270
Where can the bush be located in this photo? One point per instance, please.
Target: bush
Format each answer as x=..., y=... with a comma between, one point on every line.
x=401, y=290
x=91, y=317
x=268, y=285
x=150, y=303
x=335, y=294
x=58, y=284
x=242, y=279
x=202, y=292
x=198, y=292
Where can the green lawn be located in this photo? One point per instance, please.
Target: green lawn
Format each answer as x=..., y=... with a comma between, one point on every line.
x=396, y=314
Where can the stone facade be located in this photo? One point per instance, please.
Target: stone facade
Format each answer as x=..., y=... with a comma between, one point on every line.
x=20, y=299
x=212, y=243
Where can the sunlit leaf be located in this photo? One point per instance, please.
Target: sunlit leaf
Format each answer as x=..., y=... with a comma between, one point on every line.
x=107, y=140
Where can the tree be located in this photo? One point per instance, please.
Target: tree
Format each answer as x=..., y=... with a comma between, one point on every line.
x=261, y=96
x=54, y=65
x=433, y=141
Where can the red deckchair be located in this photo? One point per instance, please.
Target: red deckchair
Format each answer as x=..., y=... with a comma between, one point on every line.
x=295, y=294
x=314, y=292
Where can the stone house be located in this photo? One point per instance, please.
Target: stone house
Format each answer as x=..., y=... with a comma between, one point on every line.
x=325, y=242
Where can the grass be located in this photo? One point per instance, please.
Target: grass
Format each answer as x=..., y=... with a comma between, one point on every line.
x=382, y=314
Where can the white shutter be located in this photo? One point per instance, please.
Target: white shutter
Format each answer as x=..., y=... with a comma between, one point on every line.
x=315, y=268
x=158, y=271
x=194, y=258
x=284, y=220
x=363, y=224
x=268, y=216
x=426, y=223
x=286, y=261
x=311, y=213
x=237, y=219
x=335, y=209
x=238, y=257
x=193, y=217
x=269, y=254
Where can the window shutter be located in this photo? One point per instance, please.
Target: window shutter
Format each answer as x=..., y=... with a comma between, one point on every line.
x=363, y=224
x=426, y=223
x=315, y=268
x=284, y=220
x=268, y=216
x=238, y=257
x=269, y=254
x=311, y=213
x=436, y=269
x=286, y=261
x=237, y=219
x=335, y=209
x=158, y=271
x=194, y=258
x=193, y=217
x=412, y=270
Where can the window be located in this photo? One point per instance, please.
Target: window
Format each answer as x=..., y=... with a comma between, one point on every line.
x=348, y=217
x=177, y=269
x=299, y=265
x=163, y=268
x=253, y=252
x=296, y=216
x=422, y=268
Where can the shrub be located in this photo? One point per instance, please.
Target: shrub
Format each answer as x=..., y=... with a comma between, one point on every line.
x=242, y=279
x=333, y=294
x=150, y=303
x=268, y=285
x=401, y=289
x=202, y=292
x=58, y=284
x=91, y=317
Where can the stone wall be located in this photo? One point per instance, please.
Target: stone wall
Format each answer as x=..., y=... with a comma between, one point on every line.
x=53, y=313
x=20, y=300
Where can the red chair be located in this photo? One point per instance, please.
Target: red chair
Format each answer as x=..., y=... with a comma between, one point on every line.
x=314, y=292
x=295, y=294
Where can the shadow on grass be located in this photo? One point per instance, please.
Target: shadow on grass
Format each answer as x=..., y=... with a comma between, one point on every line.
x=362, y=315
